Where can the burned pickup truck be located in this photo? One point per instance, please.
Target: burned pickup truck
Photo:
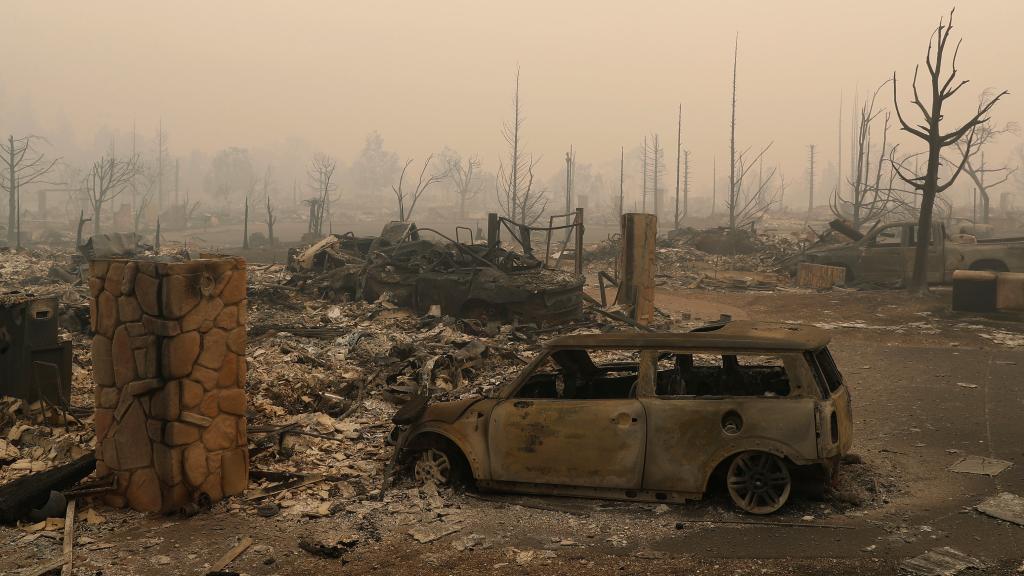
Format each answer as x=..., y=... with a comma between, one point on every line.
x=466, y=280
x=885, y=254
x=647, y=416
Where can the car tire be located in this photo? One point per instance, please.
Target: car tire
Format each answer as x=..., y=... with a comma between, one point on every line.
x=758, y=482
x=442, y=464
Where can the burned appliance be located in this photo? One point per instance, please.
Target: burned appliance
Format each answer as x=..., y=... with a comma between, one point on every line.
x=34, y=363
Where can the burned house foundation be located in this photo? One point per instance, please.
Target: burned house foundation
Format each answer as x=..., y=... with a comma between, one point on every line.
x=169, y=369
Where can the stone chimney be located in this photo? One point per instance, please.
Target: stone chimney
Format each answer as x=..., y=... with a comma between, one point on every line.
x=169, y=368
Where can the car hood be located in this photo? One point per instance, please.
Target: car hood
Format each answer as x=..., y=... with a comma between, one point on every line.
x=449, y=412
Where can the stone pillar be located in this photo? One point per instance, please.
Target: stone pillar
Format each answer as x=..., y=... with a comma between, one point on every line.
x=169, y=367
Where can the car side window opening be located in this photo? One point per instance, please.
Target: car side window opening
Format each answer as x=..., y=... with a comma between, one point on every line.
x=685, y=374
x=829, y=371
x=574, y=375
x=891, y=236
x=912, y=237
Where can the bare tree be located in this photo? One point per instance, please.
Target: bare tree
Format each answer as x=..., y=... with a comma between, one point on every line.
x=984, y=176
x=810, y=178
x=161, y=156
x=514, y=184
x=107, y=179
x=679, y=149
x=745, y=204
x=321, y=175
x=930, y=131
x=465, y=180
x=271, y=220
x=407, y=199
x=622, y=176
x=654, y=164
x=21, y=164
x=872, y=193
x=230, y=172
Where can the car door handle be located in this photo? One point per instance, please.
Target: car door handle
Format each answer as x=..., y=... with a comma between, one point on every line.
x=522, y=404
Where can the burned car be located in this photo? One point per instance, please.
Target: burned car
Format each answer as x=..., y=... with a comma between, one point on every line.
x=647, y=416
x=466, y=280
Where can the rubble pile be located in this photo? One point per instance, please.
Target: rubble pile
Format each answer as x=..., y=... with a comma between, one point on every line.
x=464, y=280
x=712, y=259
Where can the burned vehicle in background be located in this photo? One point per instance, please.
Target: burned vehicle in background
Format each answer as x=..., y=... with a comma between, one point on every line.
x=885, y=253
x=465, y=279
x=648, y=416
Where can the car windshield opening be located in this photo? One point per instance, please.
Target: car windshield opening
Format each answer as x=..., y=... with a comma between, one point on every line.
x=827, y=365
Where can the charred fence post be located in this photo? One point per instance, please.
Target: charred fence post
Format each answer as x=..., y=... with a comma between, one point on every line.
x=636, y=266
x=493, y=231
x=579, y=240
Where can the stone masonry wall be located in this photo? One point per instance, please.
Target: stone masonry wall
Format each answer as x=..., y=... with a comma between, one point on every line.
x=169, y=367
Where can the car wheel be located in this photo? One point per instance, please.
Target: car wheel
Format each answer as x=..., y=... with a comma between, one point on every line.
x=758, y=482
x=439, y=466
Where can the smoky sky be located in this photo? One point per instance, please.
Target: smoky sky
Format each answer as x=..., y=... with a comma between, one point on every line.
x=597, y=75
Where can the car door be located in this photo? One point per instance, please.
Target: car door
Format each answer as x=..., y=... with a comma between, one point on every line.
x=691, y=426
x=883, y=257
x=596, y=443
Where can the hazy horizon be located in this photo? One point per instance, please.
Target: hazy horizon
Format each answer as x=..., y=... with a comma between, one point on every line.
x=594, y=75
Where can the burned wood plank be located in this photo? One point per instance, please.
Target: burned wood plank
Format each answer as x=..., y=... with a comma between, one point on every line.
x=20, y=496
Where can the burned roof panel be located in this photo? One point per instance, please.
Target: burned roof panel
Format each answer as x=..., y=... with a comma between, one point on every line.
x=737, y=335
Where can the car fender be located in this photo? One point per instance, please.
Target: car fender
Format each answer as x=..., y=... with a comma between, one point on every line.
x=760, y=444
x=468, y=433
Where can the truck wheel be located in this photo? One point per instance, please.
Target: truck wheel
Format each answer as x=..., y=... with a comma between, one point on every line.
x=758, y=482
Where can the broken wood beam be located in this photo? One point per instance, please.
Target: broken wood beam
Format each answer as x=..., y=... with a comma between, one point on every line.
x=69, y=538
x=230, y=555
x=20, y=496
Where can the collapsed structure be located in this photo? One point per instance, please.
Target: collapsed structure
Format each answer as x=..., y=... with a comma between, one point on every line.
x=465, y=279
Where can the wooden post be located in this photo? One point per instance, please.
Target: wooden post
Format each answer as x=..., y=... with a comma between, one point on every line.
x=636, y=266
x=493, y=231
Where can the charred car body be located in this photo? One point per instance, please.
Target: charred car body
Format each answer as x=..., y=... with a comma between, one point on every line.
x=651, y=417
x=886, y=253
x=467, y=280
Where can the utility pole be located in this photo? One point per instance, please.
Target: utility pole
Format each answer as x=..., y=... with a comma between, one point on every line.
x=570, y=161
x=643, y=198
x=714, y=183
x=160, y=167
x=657, y=193
x=622, y=165
x=679, y=147
x=176, y=174
x=810, y=180
x=839, y=160
x=686, y=185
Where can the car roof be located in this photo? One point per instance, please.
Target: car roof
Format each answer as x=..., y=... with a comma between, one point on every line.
x=735, y=335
